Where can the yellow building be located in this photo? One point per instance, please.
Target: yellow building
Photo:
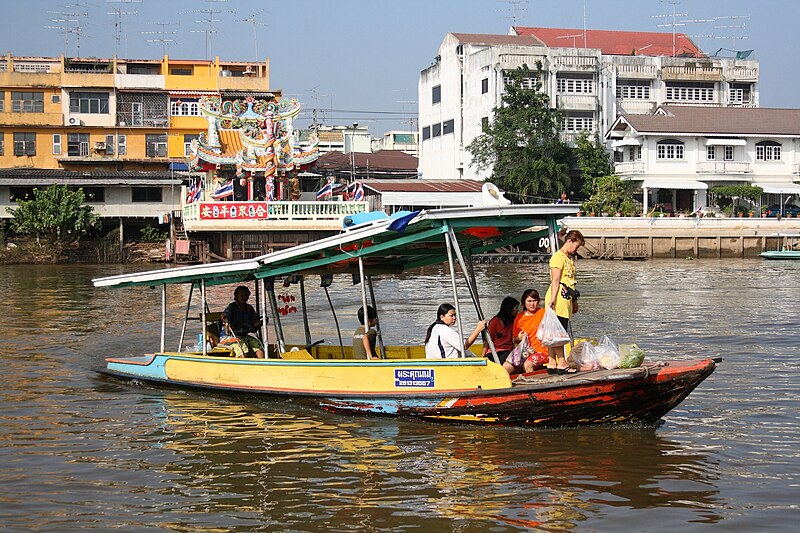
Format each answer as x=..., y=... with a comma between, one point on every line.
x=118, y=128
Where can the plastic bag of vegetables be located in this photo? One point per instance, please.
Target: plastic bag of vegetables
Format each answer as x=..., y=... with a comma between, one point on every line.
x=630, y=356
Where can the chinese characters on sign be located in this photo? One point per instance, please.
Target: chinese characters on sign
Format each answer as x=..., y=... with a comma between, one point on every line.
x=234, y=210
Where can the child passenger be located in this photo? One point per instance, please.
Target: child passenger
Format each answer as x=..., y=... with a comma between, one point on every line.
x=364, y=340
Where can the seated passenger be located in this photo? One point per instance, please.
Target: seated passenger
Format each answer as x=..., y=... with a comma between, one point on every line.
x=364, y=341
x=442, y=341
x=525, y=325
x=239, y=319
x=500, y=329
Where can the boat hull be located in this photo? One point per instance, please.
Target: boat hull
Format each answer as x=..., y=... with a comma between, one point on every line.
x=466, y=391
x=781, y=254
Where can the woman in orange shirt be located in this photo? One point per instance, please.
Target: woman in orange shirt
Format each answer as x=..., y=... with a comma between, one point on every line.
x=526, y=324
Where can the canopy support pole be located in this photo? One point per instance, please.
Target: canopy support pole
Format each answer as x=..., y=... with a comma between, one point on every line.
x=306, y=329
x=552, y=234
x=163, y=314
x=377, y=320
x=363, y=280
x=335, y=321
x=203, y=314
x=273, y=304
x=469, y=277
x=452, y=265
x=186, y=317
x=264, y=321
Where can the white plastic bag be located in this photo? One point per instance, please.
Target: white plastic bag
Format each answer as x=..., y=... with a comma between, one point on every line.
x=607, y=353
x=550, y=331
x=583, y=356
x=519, y=353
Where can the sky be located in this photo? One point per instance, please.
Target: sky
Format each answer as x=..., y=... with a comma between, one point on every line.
x=360, y=60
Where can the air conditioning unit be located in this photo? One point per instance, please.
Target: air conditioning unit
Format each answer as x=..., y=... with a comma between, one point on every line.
x=100, y=147
x=74, y=121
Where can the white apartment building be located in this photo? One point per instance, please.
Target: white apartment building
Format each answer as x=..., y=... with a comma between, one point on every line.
x=677, y=153
x=603, y=74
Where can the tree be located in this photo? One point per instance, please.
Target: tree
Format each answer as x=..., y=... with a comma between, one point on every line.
x=611, y=195
x=593, y=160
x=55, y=216
x=522, y=145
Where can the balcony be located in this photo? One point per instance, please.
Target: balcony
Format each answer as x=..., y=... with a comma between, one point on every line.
x=578, y=102
x=31, y=119
x=140, y=81
x=742, y=74
x=634, y=106
x=723, y=167
x=253, y=216
x=575, y=63
x=87, y=79
x=241, y=83
x=629, y=71
x=629, y=167
x=691, y=73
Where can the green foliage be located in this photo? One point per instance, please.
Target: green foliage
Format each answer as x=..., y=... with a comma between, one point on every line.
x=750, y=192
x=151, y=234
x=611, y=195
x=56, y=217
x=593, y=160
x=522, y=144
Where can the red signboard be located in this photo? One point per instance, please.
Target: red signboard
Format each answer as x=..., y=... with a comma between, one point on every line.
x=233, y=210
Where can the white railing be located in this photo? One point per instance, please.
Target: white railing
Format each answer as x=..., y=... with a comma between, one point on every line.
x=31, y=67
x=275, y=210
x=635, y=106
x=723, y=167
x=629, y=167
x=700, y=73
x=577, y=101
x=741, y=73
x=576, y=61
x=636, y=70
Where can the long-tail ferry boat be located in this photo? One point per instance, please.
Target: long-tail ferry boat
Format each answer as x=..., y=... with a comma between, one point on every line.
x=469, y=390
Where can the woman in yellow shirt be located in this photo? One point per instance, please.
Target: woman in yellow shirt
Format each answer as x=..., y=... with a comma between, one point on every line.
x=561, y=295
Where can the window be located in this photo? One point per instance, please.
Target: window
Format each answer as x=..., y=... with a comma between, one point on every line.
x=426, y=133
x=484, y=85
x=574, y=85
x=185, y=108
x=109, y=144
x=578, y=122
x=55, y=98
x=187, y=143
x=122, y=144
x=2, y=101
x=56, y=144
x=156, y=145
x=711, y=153
x=448, y=126
x=146, y=194
x=527, y=83
x=27, y=102
x=83, y=102
x=2, y=143
x=181, y=71
x=634, y=153
x=24, y=144
x=143, y=109
x=18, y=194
x=669, y=149
x=436, y=93
x=768, y=151
x=619, y=156
x=78, y=144
x=728, y=153
x=94, y=194
x=633, y=89
x=690, y=92
x=740, y=93
x=437, y=130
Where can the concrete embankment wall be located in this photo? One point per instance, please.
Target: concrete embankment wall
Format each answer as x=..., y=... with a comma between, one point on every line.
x=681, y=237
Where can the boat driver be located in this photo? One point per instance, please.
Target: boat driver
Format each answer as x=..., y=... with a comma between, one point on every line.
x=240, y=319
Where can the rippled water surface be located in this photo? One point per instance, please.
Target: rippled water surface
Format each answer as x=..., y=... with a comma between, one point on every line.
x=82, y=451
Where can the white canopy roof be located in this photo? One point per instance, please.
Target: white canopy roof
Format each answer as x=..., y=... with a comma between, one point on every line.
x=725, y=142
x=674, y=184
x=779, y=188
x=627, y=141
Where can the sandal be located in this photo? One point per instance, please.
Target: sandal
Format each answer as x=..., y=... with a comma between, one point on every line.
x=564, y=371
x=551, y=370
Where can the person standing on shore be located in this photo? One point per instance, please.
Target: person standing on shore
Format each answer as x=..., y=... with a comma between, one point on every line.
x=562, y=296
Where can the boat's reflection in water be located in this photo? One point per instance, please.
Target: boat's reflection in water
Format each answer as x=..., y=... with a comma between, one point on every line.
x=315, y=469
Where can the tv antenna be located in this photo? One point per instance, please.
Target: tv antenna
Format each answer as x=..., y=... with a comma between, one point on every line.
x=316, y=95
x=733, y=25
x=70, y=23
x=675, y=22
x=209, y=21
x=164, y=38
x=254, y=19
x=517, y=9
x=121, y=22
x=573, y=37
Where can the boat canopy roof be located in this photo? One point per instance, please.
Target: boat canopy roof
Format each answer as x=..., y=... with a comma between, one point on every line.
x=389, y=245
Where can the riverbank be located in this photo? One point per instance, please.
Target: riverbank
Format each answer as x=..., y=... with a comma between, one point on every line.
x=25, y=251
x=712, y=238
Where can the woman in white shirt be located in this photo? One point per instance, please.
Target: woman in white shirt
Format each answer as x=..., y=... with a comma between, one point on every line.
x=442, y=341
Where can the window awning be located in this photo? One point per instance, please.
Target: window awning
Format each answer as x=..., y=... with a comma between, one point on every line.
x=628, y=141
x=674, y=184
x=725, y=142
x=779, y=188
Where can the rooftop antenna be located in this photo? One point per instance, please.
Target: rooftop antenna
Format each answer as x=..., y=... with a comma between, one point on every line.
x=733, y=26
x=164, y=40
x=674, y=22
x=209, y=20
x=71, y=23
x=64, y=26
x=253, y=19
x=573, y=37
x=517, y=9
x=121, y=22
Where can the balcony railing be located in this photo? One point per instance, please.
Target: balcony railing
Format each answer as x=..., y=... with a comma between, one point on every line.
x=723, y=167
x=629, y=167
x=634, y=106
x=636, y=71
x=586, y=102
x=273, y=211
x=575, y=62
x=742, y=73
x=796, y=168
x=688, y=73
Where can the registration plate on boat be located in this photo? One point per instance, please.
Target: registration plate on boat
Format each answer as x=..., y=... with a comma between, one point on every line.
x=414, y=378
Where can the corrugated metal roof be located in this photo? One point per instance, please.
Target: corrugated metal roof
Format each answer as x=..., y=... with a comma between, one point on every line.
x=497, y=40
x=382, y=160
x=757, y=121
x=30, y=177
x=424, y=186
x=612, y=42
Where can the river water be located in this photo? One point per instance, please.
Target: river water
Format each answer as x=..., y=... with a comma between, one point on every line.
x=82, y=451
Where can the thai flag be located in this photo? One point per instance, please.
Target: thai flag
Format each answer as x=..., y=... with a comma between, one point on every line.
x=270, y=189
x=327, y=190
x=195, y=188
x=223, y=191
x=358, y=193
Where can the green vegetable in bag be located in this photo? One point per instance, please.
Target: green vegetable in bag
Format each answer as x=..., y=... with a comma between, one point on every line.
x=630, y=356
